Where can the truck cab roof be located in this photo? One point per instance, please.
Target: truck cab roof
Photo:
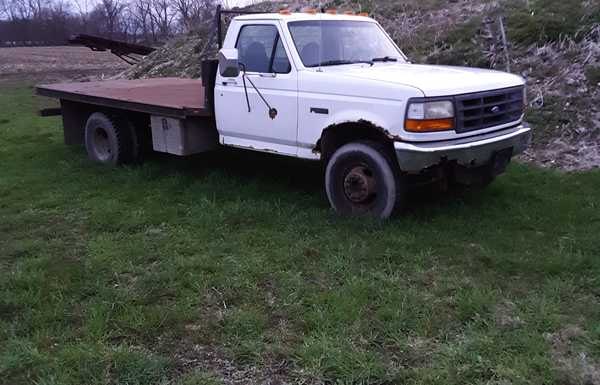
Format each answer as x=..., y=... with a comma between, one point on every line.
x=301, y=16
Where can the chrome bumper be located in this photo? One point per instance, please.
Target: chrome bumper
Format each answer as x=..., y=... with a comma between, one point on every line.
x=471, y=152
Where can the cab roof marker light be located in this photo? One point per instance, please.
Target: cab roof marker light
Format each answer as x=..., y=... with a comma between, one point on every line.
x=331, y=11
x=285, y=12
x=311, y=11
x=349, y=13
x=363, y=14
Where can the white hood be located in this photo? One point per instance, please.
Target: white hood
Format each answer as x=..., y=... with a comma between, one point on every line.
x=432, y=80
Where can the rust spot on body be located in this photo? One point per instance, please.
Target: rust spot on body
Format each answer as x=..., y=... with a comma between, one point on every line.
x=360, y=123
x=380, y=129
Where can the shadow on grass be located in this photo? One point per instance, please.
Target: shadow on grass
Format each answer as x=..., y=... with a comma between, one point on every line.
x=297, y=176
x=301, y=175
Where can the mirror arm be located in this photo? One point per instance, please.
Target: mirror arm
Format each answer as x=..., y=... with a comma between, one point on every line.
x=243, y=67
x=272, y=111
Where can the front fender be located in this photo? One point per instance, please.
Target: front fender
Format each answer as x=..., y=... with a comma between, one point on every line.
x=321, y=112
x=358, y=116
x=327, y=99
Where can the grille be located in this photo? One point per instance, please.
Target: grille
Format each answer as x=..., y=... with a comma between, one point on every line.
x=481, y=110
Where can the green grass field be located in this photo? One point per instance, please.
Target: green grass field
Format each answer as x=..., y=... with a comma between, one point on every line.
x=231, y=267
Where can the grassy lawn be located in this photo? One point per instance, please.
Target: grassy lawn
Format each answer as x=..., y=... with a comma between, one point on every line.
x=231, y=268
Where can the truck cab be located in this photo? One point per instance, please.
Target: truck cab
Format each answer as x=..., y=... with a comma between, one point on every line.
x=317, y=86
x=339, y=84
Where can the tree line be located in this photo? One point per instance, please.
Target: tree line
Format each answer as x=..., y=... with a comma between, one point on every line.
x=52, y=22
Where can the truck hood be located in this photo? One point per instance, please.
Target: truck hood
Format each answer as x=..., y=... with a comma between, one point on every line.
x=430, y=79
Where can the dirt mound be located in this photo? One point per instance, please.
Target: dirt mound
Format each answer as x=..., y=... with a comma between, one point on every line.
x=564, y=90
x=180, y=57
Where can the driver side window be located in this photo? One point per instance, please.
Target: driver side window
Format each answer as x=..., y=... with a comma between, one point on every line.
x=261, y=50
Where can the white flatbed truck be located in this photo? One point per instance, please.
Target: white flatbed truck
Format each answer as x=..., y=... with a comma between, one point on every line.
x=329, y=88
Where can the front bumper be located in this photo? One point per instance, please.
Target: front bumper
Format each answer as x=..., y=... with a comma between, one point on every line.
x=473, y=151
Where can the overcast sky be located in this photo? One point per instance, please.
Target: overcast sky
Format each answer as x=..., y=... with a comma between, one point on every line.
x=92, y=3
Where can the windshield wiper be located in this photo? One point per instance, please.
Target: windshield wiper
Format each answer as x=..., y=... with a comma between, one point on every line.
x=384, y=59
x=342, y=62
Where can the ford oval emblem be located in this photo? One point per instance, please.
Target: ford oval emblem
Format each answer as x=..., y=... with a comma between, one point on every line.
x=495, y=109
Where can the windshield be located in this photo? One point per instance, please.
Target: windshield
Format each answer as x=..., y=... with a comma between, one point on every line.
x=335, y=42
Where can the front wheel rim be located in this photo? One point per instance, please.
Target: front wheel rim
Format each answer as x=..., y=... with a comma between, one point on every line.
x=360, y=186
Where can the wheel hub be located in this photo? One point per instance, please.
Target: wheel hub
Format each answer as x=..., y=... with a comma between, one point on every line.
x=102, y=144
x=359, y=184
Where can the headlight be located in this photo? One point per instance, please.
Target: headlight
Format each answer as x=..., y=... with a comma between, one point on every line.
x=430, y=116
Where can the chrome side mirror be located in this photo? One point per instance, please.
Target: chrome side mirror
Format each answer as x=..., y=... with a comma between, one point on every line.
x=229, y=66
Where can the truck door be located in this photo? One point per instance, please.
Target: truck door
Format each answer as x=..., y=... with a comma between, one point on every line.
x=265, y=56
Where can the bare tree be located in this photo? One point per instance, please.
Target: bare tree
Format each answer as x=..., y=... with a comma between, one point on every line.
x=34, y=9
x=52, y=21
x=130, y=25
x=4, y=13
x=162, y=16
x=21, y=9
x=189, y=12
x=193, y=12
x=58, y=18
x=112, y=11
x=83, y=10
x=60, y=9
x=141, y=11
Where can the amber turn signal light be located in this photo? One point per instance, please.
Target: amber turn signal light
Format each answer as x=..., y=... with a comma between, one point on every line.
x=429, y=125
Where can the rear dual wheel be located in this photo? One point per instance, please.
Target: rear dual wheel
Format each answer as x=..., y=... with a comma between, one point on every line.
x=111, y=140
x=362, y=179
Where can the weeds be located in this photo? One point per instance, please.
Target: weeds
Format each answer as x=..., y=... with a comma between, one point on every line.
x=592, y=74
x=543, y=21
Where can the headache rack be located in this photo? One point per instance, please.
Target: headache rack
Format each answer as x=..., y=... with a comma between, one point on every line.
x=128, y=52
x=480, y=110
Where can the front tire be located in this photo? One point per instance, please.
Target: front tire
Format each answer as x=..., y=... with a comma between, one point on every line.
x=361, y=179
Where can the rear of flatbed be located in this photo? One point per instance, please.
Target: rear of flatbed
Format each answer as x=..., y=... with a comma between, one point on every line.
x=170, y=115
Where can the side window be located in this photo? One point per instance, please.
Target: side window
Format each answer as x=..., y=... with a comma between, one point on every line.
x=261, y=50
x=281, y=64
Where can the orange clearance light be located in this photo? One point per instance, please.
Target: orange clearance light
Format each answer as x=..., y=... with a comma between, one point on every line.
x=364, y=14
x=285, y=12
x=311, y=11
x=429, y=125
x=331, y=11
x=349, y=13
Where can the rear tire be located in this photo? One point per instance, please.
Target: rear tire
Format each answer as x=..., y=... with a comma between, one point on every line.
x=361, y=179
x=111, y=140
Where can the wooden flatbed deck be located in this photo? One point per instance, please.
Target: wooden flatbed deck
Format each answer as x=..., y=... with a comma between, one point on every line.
x=173, y=97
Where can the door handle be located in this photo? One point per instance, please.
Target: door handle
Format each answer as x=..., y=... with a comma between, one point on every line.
x=267, y=75
x=229, y=83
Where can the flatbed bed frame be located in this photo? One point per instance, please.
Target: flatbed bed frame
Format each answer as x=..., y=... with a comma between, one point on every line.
x=172, y=97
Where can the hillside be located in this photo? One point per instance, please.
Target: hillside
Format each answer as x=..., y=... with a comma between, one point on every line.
x=553, y=44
